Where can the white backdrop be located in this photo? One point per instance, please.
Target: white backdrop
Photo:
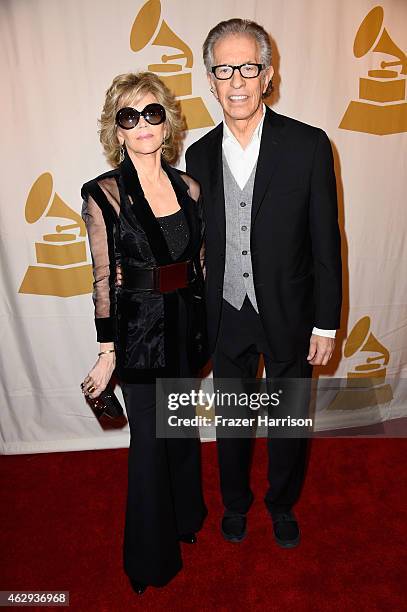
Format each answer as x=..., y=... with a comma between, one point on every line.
x=57, y=60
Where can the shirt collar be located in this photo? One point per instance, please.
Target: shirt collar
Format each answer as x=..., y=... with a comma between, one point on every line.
x=228, y=135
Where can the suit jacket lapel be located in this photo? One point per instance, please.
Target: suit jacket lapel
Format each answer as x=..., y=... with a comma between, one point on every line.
x=269, y=156
x=141, y=211
x=217, y=203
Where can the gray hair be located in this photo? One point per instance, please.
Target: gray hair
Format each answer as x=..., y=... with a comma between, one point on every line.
x=238, y=26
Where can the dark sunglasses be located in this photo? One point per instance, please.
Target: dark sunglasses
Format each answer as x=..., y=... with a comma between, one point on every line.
x=128, y=117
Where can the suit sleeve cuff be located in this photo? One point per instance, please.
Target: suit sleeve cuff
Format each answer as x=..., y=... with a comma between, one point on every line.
x=328, y=333
x=105, y=329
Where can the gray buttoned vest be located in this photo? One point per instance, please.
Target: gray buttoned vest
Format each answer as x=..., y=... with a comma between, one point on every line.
x=238, y=278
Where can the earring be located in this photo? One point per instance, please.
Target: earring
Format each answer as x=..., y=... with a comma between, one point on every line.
x=121, y=155
x=164, y=145
x=211, y=90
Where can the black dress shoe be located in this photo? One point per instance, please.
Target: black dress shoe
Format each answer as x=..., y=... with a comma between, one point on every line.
x=188, y=538
x=286, y=530
x=138, y=587
x=234, y=526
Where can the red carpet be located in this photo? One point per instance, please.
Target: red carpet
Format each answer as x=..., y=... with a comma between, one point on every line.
x=62, y=520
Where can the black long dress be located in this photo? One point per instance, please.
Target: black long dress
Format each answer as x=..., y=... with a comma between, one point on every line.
x=164, y=489
x=152, y=337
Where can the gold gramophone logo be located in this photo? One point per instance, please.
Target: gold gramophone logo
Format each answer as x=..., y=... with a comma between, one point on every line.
x=61, y=267
x=366, y=382
x=382, y=107
x=149, y=27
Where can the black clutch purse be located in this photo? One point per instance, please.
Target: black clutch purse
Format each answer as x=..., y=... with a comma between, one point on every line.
x=107, y=408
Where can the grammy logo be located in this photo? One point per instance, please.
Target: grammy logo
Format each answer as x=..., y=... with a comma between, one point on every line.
x=61, y=267
x=147, y=27
x=366, y=381
x=382, y=108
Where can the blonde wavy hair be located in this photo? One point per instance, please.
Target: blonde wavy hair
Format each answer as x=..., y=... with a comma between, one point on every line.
x=124, y=90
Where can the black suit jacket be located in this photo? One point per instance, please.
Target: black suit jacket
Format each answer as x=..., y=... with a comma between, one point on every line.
x=295, y=239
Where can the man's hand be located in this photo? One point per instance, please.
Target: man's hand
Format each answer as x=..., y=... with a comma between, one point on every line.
x=320, y=350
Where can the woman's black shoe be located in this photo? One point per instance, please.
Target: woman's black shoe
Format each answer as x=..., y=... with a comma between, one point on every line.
x=188, y=538
x=138, y=587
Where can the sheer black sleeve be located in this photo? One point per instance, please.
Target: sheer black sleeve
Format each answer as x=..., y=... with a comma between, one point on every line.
x=100, y=236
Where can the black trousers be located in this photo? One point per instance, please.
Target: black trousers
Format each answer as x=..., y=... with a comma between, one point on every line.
x=241, y=340
x=164, y=498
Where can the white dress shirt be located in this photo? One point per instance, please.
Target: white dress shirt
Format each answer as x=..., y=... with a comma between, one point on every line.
x=241, y=163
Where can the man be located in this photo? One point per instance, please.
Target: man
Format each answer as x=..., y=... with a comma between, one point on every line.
x=273, y=264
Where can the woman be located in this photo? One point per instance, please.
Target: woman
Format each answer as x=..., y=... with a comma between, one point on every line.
x=144, y=218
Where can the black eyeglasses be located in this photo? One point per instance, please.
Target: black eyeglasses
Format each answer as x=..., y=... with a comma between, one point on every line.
x=128, y=117
x=247, y=71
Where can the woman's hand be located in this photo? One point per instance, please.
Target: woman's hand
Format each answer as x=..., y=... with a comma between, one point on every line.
x=97, y=379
